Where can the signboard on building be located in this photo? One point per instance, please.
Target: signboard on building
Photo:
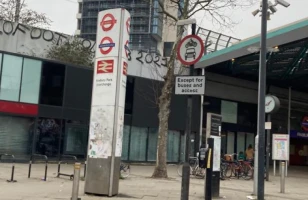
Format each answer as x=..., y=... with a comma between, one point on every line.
x=213, y=124
x=280, y=147
x=190, y=85
x=36, y=42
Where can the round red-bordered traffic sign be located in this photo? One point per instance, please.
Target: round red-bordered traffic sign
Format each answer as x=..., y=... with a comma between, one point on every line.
x=103, y=45
x=108, y=22
x=128, y=25
x=305, y=124
x=190, y=50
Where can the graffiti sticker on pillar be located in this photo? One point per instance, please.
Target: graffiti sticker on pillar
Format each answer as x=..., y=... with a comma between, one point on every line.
x=120, y=130
x=128, y=25
x=106, y=45
x=108, y=22
x=104, y=66
x=125, y=68
x=126, y=49
x=101, y=128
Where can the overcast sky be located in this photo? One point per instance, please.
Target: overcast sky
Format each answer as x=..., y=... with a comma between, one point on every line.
x=63, y=14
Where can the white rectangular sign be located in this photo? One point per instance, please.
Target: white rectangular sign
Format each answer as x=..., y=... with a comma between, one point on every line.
x=216, y=153
x=190, y=85
x=280, y=147
x=109, y=84
x=268, y=125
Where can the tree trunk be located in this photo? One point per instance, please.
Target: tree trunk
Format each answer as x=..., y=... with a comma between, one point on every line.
x=164, y=113
x=17, y=11
x=163, y=116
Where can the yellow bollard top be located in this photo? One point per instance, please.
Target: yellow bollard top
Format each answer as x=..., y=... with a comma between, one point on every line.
x=77, y=165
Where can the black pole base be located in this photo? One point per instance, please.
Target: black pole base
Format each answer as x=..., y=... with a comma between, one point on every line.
x=185, y=181
x=11, y=181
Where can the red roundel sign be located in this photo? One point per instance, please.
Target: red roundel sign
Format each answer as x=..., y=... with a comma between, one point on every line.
x=108, y=22
x=106, y=45
x=190, y=50
x=128, y=25
x=305, y=124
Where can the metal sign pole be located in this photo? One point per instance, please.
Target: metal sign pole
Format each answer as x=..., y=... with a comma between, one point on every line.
x=282, y=178
x=186, y=167
x=289, y=124
x=268, y=141
x=261, y=101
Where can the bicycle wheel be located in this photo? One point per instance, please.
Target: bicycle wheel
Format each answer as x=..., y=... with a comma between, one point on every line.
x=124, y=170
x=199, y=172
x=229, y=171
x=247, y=172
x=223, y=170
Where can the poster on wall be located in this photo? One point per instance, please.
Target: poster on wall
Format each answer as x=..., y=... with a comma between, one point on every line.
x=280, y=147
x=216, y=153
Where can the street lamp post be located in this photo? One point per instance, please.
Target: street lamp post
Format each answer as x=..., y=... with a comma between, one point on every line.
x=261, y=101
x=265, y=15
x=186, y=166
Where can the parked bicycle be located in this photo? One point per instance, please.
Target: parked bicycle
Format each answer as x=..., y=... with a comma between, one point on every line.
x=223, y=168
x=124, y=170
x=194, y=168
x=237, y=168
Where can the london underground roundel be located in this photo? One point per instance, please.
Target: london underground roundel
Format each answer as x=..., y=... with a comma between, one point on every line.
x=305, y=124
x=108, y=22
x=190, y=50
x=106, y=45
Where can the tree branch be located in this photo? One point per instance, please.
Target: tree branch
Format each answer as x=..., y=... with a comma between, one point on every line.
x=161, y=4
x=199, y=3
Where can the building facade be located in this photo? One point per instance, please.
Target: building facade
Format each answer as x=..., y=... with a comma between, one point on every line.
x=45, y=104
x=146, y=23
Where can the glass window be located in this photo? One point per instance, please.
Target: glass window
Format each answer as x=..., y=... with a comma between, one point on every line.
x=183, y=145
x=152, y=146
x=229, y=112
x=52, y=84
x=10, y=78
x=138, y=142
x=167, y=48
x=125, y=142
x=76, y=139
x=240, y=142
x=230, y=143
x=173, y=146
x=250, y=139
x=31, y=76
x=48, y=135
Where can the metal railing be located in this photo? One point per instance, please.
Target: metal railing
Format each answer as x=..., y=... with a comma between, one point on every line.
x=12, y=157
x=69, y=158
x=32, y=158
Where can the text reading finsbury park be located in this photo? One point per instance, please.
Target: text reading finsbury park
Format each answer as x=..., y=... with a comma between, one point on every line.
x=190, y=85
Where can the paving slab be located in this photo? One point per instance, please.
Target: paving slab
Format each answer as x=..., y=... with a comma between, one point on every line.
x=139, y=186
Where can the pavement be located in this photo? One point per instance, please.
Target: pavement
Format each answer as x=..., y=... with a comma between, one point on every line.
x=139, y=185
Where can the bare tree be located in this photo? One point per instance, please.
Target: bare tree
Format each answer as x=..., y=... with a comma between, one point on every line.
x=18, y=11
x=214, y=10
